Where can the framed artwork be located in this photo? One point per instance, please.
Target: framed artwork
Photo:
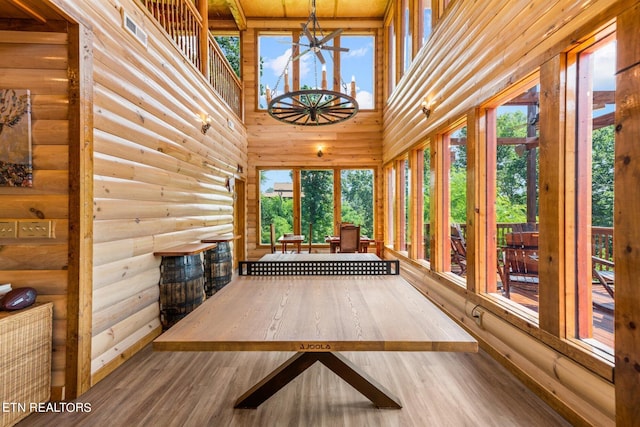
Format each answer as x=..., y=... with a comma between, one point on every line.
x=16, y=169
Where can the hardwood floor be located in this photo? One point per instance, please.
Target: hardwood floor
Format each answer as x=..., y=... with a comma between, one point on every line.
x=199, y=389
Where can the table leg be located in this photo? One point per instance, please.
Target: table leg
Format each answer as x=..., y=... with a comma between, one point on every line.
x=297, y=364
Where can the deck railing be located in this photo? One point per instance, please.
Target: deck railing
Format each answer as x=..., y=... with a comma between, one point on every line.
x=184, y=24
x=601, y=237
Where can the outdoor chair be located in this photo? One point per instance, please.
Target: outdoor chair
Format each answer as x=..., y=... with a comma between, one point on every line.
x=520, y=269
x=458, y=249
x=349, y=238
x=603, y=273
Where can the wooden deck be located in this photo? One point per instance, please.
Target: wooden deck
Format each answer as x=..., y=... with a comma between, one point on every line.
x=602, y=312
x=199, y=389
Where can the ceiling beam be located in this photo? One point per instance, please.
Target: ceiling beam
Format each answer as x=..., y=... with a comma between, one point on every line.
x=327, y=24
x=29, y=11
x=238, y=14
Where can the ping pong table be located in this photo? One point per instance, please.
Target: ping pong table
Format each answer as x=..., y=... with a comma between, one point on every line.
x=317, y=317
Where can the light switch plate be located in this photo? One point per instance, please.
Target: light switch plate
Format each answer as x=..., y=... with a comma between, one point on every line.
x=34, y=229
x=8, y=229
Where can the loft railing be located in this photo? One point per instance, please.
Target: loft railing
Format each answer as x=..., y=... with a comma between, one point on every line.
x=222, y=77
x=185, y=25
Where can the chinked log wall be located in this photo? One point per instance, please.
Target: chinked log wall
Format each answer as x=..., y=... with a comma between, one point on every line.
x=355, y=143
x=38, y=61
x=158, y=180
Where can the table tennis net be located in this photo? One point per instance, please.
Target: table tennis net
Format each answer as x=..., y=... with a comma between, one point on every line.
x=319, y=268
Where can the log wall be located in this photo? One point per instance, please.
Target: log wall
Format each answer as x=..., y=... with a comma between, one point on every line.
x=158, y=181
x=476, y=52
x=37, y=61
x=355, y=143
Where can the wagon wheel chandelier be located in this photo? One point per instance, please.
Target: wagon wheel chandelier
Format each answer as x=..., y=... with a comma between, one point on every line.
x=317, y=106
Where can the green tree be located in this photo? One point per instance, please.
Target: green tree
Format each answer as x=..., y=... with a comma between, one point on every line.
x=511, y=185
x=317, y=202
x=357, y=199
x=230, y=46
x=602, y=176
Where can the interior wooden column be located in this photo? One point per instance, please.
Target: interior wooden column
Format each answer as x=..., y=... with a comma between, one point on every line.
x=439, y=215
x=80, y=287
x=626, y=232
x=552, y=202
x=416, y=207
x=476, y=202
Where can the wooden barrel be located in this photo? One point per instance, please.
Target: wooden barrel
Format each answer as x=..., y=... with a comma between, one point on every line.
x=218, y=268
x=181, y=287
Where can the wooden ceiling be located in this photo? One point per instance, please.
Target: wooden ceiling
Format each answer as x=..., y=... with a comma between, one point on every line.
x=28, y=9
x=225, y=10
x=232, y=13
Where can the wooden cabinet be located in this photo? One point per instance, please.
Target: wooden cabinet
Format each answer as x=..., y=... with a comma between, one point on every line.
x=25, y=361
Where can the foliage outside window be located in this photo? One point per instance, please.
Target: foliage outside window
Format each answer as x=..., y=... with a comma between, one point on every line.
x=356, y=203
x=426, y=200
x=276, y=203
x=457, y=187
x=407, y=207
x=317, y=203
x=515, y=196
x=230, y=46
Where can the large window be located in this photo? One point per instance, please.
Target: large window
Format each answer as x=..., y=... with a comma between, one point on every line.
x=294, y=198
x=278, y=74
x=275, y=51
x=456, y=167
x=594, y=274
x=512, y=134
x=358, y=65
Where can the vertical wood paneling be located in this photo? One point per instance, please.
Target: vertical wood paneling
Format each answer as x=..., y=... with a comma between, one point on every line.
x=626, y=231
x=552, y=202
x=38, y=61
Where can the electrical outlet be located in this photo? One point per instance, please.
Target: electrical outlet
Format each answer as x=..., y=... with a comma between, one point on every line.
x=8, y=229
x=34, y=229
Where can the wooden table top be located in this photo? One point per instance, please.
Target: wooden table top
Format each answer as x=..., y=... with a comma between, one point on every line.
x=320, y=257
x=317, y=313
x=186, y=249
